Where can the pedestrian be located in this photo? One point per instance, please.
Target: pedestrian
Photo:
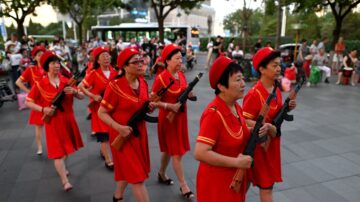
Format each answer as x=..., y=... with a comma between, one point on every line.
x=267, y=163
x=14, y=57
x=230, y=48
x=313, y=48
x=338, y=55
x=223, y=136
x=258, y=45
x=94, y=86
x=123, y=97
x=31, y=76
x=349, y=64
x=173, y=135
x=62, y=133
x=322, y=43
x=321, y=61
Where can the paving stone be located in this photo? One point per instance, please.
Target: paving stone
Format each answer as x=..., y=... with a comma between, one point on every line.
x=337, y=166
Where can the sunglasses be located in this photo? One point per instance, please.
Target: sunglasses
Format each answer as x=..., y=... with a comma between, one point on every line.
x=137, y=62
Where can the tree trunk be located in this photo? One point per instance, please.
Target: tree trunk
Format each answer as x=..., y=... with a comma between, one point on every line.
x=20, y=28
x=161, y=29
x=337, y=31
x=80, y=31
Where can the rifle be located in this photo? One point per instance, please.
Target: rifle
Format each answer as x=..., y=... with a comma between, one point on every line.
x=138, y=116
x=184, y=96
x=254, y=139
x=283, y=112
x=56, y=102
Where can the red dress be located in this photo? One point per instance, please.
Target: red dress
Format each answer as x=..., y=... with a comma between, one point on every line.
x=32, y=75
x=132, y=162
x=228, y=136
x=97, y=81
x=173, y=137
x=267, y=164
x=89, y=67
x=62, y=133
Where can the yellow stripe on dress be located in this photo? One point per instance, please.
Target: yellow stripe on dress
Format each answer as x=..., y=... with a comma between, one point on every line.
x=108, y=105
x=248, y=115
x=29, y=99
x=86, y=83
x=206, y=140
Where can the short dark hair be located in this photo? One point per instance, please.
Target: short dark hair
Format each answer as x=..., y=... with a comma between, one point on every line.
x=231, y=69
x=170, y=56
x=47, y=62
x=267, y=60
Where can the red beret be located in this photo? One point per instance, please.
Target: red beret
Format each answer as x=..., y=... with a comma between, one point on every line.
x=37, y=49
x=261, y=55
x=217, y=69
x=46, y=55
x=97, y=51
x=125, y=55
x=168, y=50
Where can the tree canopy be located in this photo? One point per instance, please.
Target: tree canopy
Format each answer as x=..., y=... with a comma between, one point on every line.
x=82, y=10
x=339, y=8
x=162, y=8
x=18, y=10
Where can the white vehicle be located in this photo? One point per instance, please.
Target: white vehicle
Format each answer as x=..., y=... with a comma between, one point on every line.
x=148, y=30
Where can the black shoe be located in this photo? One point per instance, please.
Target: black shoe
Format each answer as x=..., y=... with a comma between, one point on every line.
x=167, y=181
x=109, y=166
x=117, y=199
x=187, y=195
x=88, y=116
x=327, y=80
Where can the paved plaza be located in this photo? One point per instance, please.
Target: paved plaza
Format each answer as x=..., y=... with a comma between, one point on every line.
x=320, y=153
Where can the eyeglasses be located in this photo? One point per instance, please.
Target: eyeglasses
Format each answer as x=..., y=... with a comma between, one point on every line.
x=137, y=62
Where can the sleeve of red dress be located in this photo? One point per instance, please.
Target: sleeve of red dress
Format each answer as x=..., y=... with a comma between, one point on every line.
x=89, y=79
x=34, y=94
x=26, y=75
x=110, y=98
x=209, y=128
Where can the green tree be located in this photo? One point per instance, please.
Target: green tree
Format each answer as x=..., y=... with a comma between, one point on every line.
x=270, y=8
x=81, y=10
x=162, y=8
x=18, y=10
x=339, y=8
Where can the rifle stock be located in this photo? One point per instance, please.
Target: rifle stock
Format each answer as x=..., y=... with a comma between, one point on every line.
x=138, y=116
x=283, y=112
x=254, y=139
x=184, y=96
x=56, y=102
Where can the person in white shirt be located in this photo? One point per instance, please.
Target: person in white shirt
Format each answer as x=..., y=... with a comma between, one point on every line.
x=237, y=54
x=320, y=60
x=14, y=58
x=13, y=41
x=313, y=48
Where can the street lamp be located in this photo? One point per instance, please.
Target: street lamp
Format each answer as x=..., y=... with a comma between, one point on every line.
x=296, y=27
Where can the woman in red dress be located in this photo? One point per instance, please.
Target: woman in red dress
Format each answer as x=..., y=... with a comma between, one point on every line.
x=173, y=135
x=267, y=166
x=62, y=133
x=31, y=75
x=94, y=85
x=223, y=136
x=123, y=97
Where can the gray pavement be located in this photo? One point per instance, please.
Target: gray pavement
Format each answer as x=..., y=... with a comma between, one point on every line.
x=320, y=153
